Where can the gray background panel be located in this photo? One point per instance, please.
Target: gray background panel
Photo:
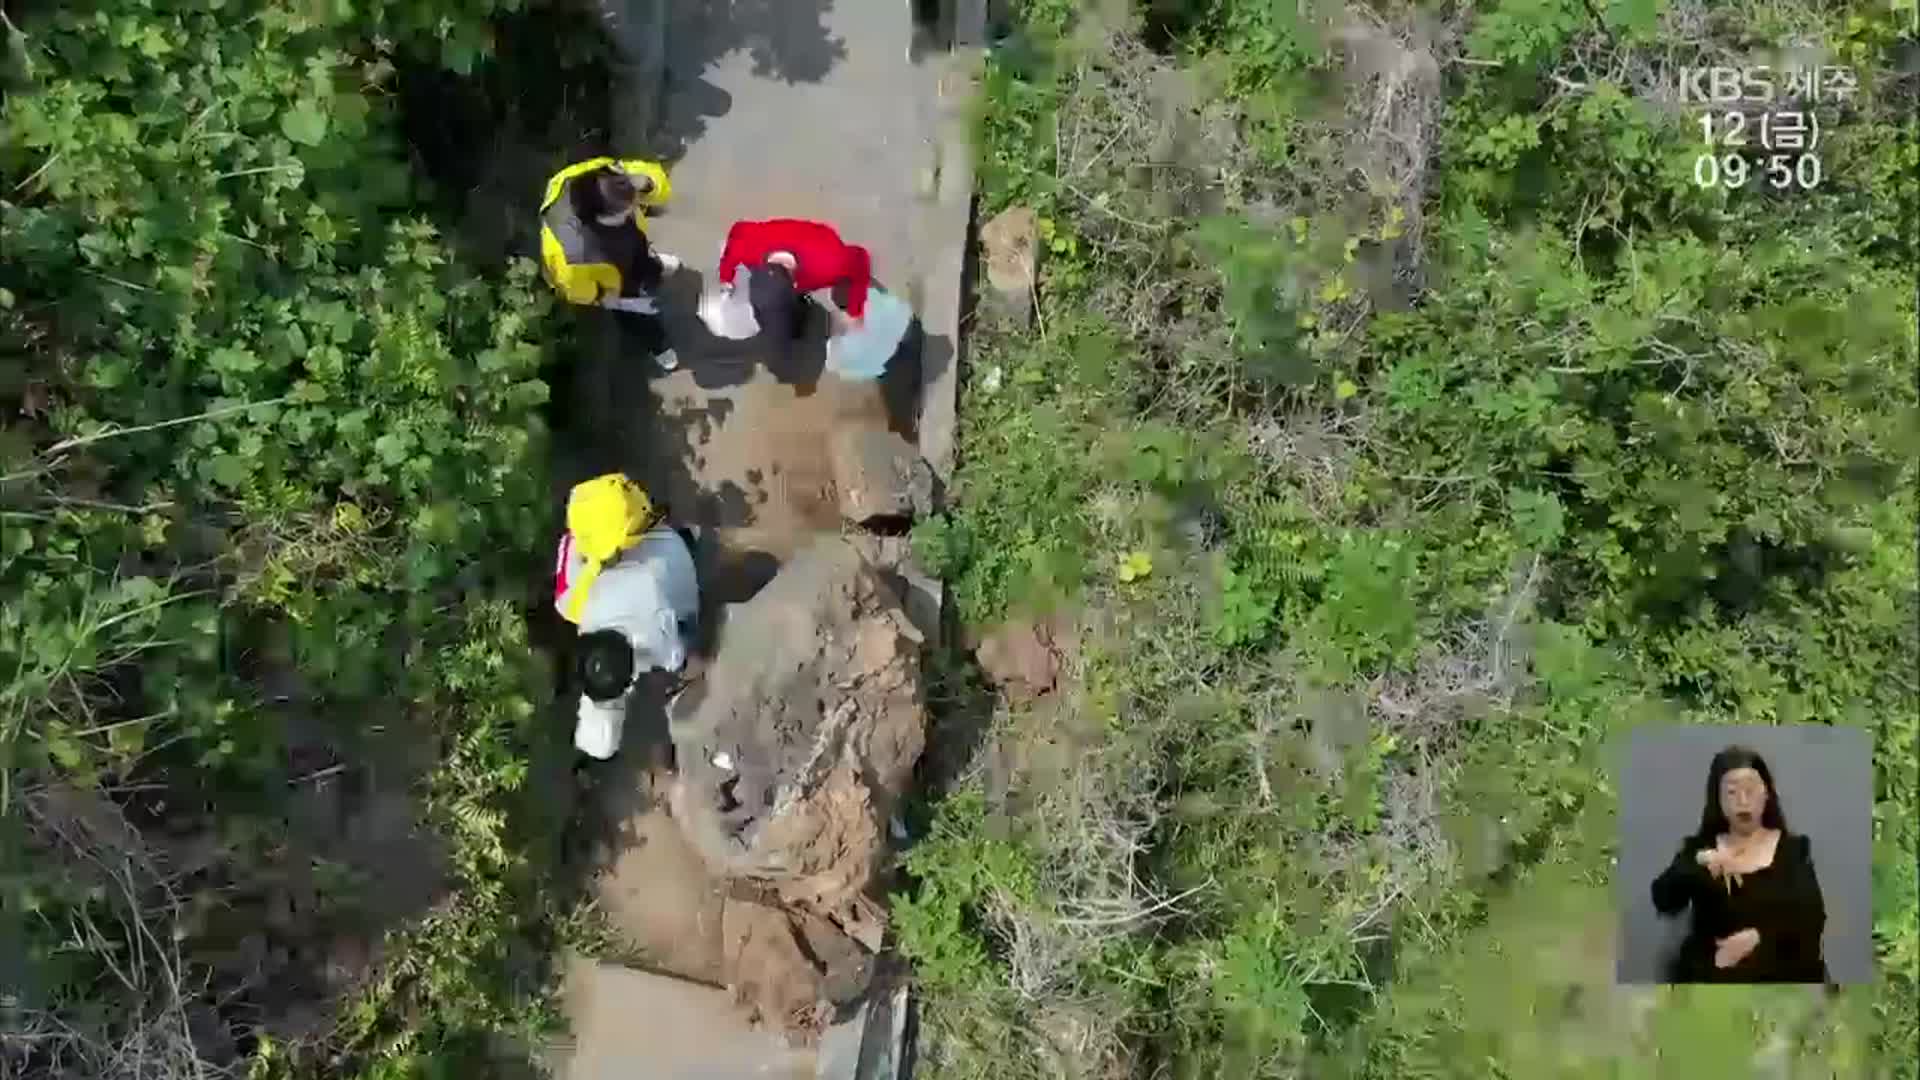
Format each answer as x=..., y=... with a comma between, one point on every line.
x=1824, y=776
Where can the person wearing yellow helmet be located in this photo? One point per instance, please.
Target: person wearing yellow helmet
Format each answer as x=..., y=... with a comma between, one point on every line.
x=604, y=516
x=628, y=581
x=594, y=248
x=641, y=617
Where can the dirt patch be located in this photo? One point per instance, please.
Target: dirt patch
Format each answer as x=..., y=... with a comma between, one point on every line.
x=790, y=969
x=769, y=971
x=654, y=890
x=750, y=463
x=658, y=895
x=743, y=442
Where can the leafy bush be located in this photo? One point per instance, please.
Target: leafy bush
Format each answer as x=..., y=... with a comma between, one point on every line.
x=265, y=421
x=1018, y=538
x=958, y=868
x=1267, y=283
x=1525, y=32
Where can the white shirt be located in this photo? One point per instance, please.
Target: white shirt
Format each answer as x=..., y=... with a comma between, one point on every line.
x=646, y=593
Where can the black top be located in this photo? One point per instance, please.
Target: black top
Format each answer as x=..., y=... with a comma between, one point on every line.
x=1782, y=901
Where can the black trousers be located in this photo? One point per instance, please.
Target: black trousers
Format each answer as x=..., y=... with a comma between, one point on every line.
x=780, y=309
x=629, y=250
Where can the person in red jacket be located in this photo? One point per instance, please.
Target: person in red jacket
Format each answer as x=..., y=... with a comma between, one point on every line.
x=810, y=255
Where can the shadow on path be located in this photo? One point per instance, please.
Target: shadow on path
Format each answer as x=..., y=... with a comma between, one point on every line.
x=716, y=363
x=786, y=40
x=906, y=373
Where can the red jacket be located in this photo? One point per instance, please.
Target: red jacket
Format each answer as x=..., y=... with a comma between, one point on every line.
x=822, y=260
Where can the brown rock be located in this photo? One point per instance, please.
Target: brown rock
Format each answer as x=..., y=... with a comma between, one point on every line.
x=1023, y=658
x=1010, y=245
x=767, y=969
x=879, y=475
x=833, y=843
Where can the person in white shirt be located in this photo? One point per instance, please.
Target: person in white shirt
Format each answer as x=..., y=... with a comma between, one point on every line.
x=639, y=616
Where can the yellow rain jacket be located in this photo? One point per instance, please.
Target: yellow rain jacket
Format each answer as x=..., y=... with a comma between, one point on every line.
x=567, y=253
x=604, y=516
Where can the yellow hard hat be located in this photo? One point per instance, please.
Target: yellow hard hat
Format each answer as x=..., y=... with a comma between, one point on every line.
x=607, y=513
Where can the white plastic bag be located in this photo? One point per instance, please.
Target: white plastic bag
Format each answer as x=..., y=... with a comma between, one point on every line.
x=863, y=353
x=728, y=313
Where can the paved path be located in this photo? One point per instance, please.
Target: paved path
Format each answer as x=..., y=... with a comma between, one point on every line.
x=815, y=112
x=775, y=108
x=809, y=111
x=629, y=1025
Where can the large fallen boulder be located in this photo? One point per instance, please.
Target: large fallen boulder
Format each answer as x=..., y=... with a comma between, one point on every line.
x=809, y=724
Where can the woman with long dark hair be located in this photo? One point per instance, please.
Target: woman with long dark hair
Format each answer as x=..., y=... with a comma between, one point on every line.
x=1757, y=912
x=593, y=233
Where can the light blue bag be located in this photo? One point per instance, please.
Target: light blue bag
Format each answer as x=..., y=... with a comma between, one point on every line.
x=863, y=353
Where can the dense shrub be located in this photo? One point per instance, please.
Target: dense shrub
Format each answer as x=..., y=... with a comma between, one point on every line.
x=256, y=420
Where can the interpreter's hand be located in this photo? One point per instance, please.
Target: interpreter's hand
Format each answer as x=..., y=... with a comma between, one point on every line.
x=1734, y=948
x=1719, y=864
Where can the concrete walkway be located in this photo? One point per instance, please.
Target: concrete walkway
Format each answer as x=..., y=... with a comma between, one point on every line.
x=631, y=1024
x=800, y=108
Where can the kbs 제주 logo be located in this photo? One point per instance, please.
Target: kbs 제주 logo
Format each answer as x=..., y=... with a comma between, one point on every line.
x=1766, y=128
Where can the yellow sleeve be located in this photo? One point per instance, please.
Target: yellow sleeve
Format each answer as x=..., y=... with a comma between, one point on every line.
x=559, y=181
x=662, y=187
x=576, y=598
x=575, y=284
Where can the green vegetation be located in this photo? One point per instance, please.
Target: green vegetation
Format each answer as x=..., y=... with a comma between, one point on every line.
x=270, y=502
x=1402, y=424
